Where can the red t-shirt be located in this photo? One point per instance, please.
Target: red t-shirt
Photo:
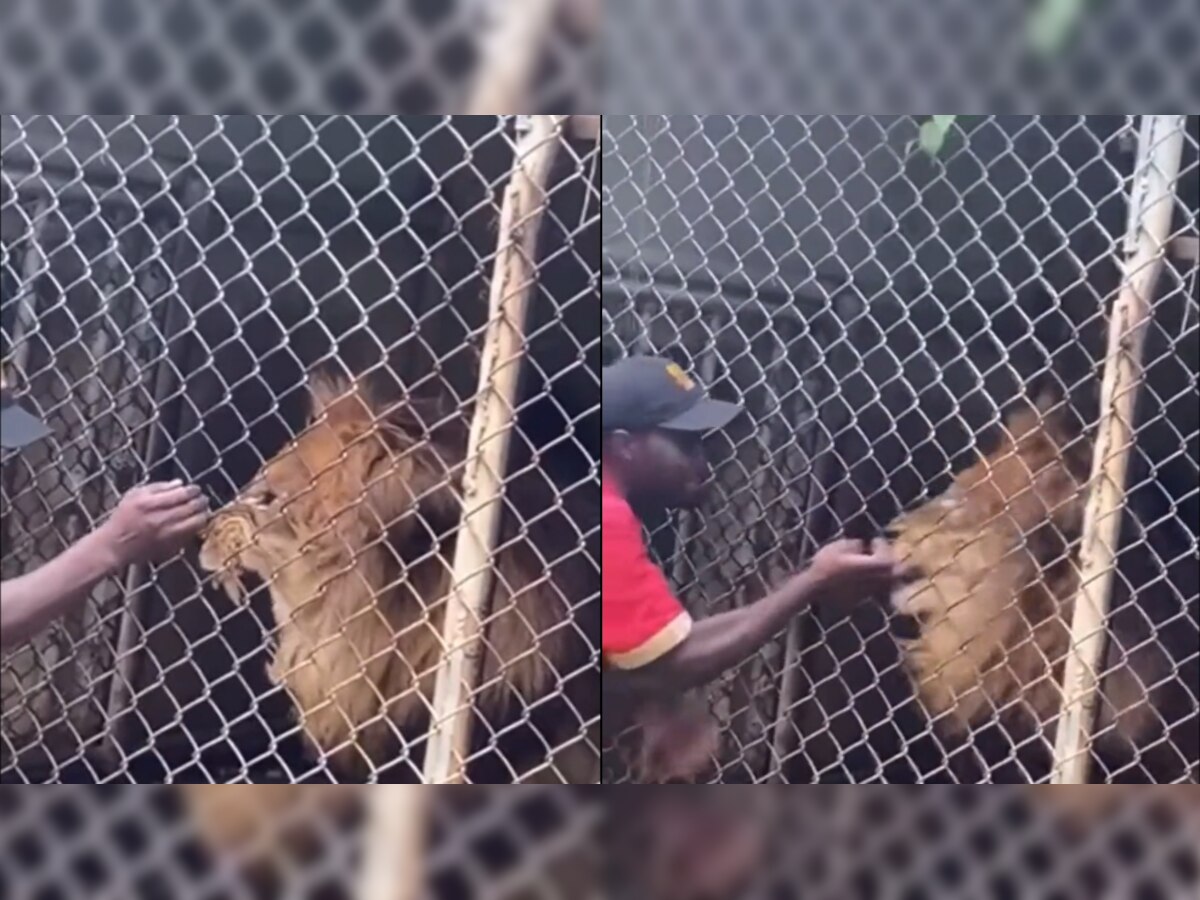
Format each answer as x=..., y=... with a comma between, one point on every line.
x=642, y=618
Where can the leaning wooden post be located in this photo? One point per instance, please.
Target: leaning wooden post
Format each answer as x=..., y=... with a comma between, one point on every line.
x=510, y=52
x=397, y=827
x=525, y=202
x=1151, y=202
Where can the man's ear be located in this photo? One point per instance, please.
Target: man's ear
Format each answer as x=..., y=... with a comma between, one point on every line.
x=619, y=445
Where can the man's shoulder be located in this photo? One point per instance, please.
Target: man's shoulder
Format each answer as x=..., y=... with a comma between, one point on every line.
x=615, y=511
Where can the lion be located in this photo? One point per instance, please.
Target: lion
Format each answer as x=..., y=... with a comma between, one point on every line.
x=292, y=840
x=352, y=528
x=1083, y=804
x=993, y=573
x=261, y=823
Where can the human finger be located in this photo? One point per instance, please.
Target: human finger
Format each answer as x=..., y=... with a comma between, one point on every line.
x=196, y=506
x=190, y=525
x=157, y=487
x=880, y=564
x=173, y=497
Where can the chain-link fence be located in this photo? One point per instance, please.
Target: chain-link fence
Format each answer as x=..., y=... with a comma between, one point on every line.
x=873, y=842
x=915, y=314
x=278, y=309
x=159, y=842
x=706, y=56
x=455, y=56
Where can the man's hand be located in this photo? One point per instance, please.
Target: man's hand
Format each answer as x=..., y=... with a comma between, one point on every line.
x=848, y=572
x=152, y=521
x=149, y=521
x=844, y=572
x=678, y=741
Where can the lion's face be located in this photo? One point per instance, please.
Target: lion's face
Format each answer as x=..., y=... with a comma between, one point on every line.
x=352, y=527
x=951, y=557
x=1015, y=509
x=320, y=502
x=981, y=558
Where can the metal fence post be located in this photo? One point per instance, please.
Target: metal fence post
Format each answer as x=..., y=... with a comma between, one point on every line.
x=1151, y=203
x=525, y=202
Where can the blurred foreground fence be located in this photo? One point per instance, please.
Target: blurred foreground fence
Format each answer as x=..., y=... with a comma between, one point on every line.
x=168, y=284
x=709, y=56
x=558, y=842
x=874, y=842
x=148, y=843
x=456, y=56
x=881, y=304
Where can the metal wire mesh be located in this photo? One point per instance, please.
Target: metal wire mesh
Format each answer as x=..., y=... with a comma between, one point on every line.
x=1002, y=842
x=167, y=284
x=879, y=307
x=535, y=842
x=420, y=57
x=707, y=56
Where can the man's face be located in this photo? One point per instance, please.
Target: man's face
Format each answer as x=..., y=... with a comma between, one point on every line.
x=667, y=468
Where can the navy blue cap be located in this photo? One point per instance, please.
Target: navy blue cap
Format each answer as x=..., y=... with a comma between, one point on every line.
x=642, y=393
x=18, y=428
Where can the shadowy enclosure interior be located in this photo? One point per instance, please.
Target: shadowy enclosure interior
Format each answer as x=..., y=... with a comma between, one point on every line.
x=170, y=287
x=890, y=318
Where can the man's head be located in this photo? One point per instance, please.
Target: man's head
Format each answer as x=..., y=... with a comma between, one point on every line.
x=18, y=428
x=655, y=417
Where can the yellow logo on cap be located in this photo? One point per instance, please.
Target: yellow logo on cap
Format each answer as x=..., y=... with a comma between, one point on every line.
x=680, y=377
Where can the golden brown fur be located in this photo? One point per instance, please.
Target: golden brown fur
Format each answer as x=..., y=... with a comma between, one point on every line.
x=278, y=839
x=351, y=526
x=994, y=576
x=1093, y=802
x=249, y=818
x=1090, y=810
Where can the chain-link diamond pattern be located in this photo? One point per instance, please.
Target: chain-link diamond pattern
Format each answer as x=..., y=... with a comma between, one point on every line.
x=692, y=55
x=167, y=282
x=420, y=57
x=878, y=308
x=535, y=842
x=836, y=842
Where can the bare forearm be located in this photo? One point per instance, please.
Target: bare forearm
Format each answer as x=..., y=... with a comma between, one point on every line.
x=724, y=641
x=32, y=601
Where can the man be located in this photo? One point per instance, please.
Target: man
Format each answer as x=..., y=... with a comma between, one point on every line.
x=150, y=521
x=654, y=419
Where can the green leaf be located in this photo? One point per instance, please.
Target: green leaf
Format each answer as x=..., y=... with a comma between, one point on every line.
x=1052, y=23
x=934, y=133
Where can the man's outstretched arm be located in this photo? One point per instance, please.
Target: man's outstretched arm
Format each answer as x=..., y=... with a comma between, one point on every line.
x=840, y=572
x=148, y=521
x=30, y=602
x=719, y=643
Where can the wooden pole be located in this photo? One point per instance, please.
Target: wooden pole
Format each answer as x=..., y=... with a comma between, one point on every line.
x=510, y=53
x=525, y=202
x=514, y=45
x=1151, y=202
x=394, y=862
